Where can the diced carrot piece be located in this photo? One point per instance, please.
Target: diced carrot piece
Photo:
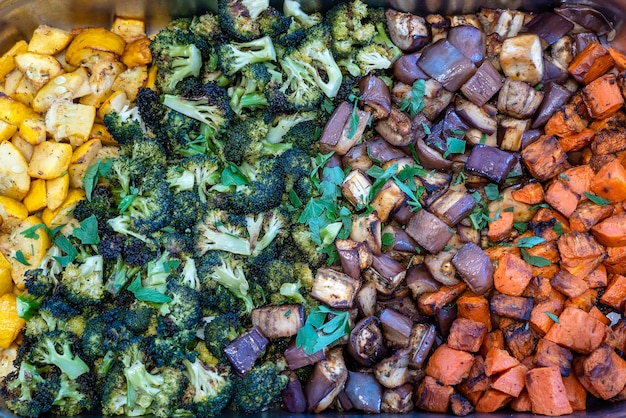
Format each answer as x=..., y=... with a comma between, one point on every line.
x=607, y=141
x=511, y=381
x=616, y=260
x=597, y=313
x=564, y=122
x=522, y=402
x=499, y=360
x=568, y=284
x=576, y=393
x=544, y=158
x=432, y=302
x=611, y=231
x=610, y=182
x=541, y=316
x=587, y=214
x=606, y=371
x=531, y=194
x=598, y=277
x=512, y=275
x=615, y=293
x=551, y=354
x=577, y=141
x=619, y=59
x=500, y=229
x=547, y=392
x=585, y=301
x=580, y=253
x=574, y=323
x=433, y=396
x=449, y=366
x=590, y=63
x=466, y=335
x=493, y=339
x=603, y=96
x=493, y=400
x=474, y=307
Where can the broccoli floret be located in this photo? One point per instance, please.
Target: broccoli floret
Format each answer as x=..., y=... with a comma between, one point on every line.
x=247, y=90
x=181, y=313
x=245, y=140
x=177, y=244
x=210, y=388
x=59, y=348
x=215, y=233
x=198, y=173
x=350, y=26
x=123, y=130
x=28, y=391
x=158, y=272
x=272, y=22
x=187, y=210
x=372, y=57
x=206, y=26
x=233, y=56
x=259, y=389
x=53, y=314
x=295, y=125
x=99, y=206
x=111, y=244
x=136, y=252
x=83, y=284
x=237, y=18
x=220, y=331
x=149, y=205
x=301, y=236
x=189, y=275
x=106, y=331
x=230, y=274
x=293, y=8
x=145, y=152
x=74, y=396
x=171, y=350
x=38, y=284
x=270, y=224
x=298, y=92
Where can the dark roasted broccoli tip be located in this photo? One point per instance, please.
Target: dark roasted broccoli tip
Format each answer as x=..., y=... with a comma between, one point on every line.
x=28, y=391
x=259, y=389
x=83, y=284
x=244, y=142
x=61, y=349
x=209, y=391
x=74, y=396
x=99, y=206
x=238, y=18
x=219, y=331
x=172, y=350
x=182, y=313
x=38, y=284
x=351, y=27
x=123, y=128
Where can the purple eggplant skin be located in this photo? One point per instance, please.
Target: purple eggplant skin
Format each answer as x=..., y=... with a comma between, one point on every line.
x=550, y=27
x=396, y=128
x=401, y=240
x=387, y=267
x=430, y=158
x=297, y=358
x=419, y=280
x=381, y=150
x=423, y=338
x=446, y=64
x=554, y=96
x=587, y=17
x=445, y=317
x=244, y=350
x=470, y=41
x=364, y=392
x=396, y=328
x=398, y=400
x=333, y=129
x=483, y=85
x=405, y=69
x=490, y=162
x=475, y=268
x=328, y=379
x=429, y=231
x=407, y=31
x=375, y=95
x=366, y=344
x=293, y=397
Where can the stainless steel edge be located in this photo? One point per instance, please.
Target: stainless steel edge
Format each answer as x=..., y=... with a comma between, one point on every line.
x=18, y=19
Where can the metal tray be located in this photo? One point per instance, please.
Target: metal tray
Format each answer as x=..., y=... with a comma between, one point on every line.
x=19, y=18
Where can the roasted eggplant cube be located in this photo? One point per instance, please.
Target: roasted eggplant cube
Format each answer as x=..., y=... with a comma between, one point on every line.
x=483, y=85
x=364, y=392
x=328, y=379
x=278, y=321
x=244, y=350
x=366, y=344
x=297, y=358
x=475, y=268
x=338, y=136
x=490, y=162
x=429, y=231
x=334, y=288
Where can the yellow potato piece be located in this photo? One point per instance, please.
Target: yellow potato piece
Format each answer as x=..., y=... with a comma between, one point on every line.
x=56, y=191
x=13, y=111
x=6, y=130
x=100, y=132
x=131, y=80
x=103, y=74
x=70, y=121
x=38, y=68
x=50, y=159
x=12, y=82
x=36, y=199
x=48, y=40
x=137, y=53
x=12, y=212
x=4, y=263
x=64, y=87
x=7, y=62
x=82, y=158
x=98, y=39
x=6, y=282
x=25, y=91
x=10, y=323
x=129, y=29
x=114, y=103
x=24, y=251
x=33, y=130
x=7, y=357
x=14, y=178
x=63, y=214
x=25, y=148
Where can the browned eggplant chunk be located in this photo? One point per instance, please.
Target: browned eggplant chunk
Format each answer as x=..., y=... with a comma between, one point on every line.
x=422, y=340
x=393, y=371
x=470, y=41
x=364, y=392
x=293, y=395
x=396, y=328
x=419, y=280
x=328, y=379
x=244, y=350
x=518, y=99
x=482, y=86
x=297, y=358
x=278, y=321
x=407, y=31
x=338, y=135
x=396, y=128
x=429, y=231
x=446, y=64
x=490, y=162
x=453, y=206
x=514, y=307
x=554, y=96
x=549, y=26
x=398, y=400
x=406, y=71
x=366, y=344
x=354, y=256
x=475, y=268
x=334, y=288
x=375, y=96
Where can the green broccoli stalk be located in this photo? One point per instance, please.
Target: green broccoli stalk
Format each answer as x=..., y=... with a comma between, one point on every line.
x=210, y=388
x=198, y=108
x=214, y=233
x=56, y=347
x=270, y=223
x=233, y=56
x=293, y=8
x=27, y=391
x=186, y=61
x=123, y=224
x=230, y=275
x=292, y=291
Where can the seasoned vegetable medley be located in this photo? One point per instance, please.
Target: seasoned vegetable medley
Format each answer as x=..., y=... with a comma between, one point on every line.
x=362, y=210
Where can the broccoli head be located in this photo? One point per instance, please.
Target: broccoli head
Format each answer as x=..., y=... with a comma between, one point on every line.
x=233, y=56
x=209, y=391
x=351, y=27
x=61, y=349
x=28, y=391
x=74, y=396
x=82, y=284
x=123, y=130
x=259, y=389
x=238, y=18
x=181, y=313
x=220, y=331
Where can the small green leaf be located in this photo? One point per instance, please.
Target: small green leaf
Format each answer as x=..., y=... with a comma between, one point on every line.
x=427, y=130
x=416, y=103
x=553, y=317
x=27, y=305
x=558, y=228
x=128, y=200
x=534, y=260
x=387, y=240
x=455, y=146
x=492, y=192
x=232, y=176
x=31, y=232
x=147, y=295
x=600, y=201
x=21, y=258
x=90, y=179
x=294, y=199
x=563, y=176
x=66, y=246
x=529, y=242
x=87, y=232
x=519, y=226
x=354, y=121
x=317, y=334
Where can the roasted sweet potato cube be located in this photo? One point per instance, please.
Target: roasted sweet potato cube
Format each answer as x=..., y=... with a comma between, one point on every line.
x=511, y=381
x=544, y=158
x=565, y=122
x=501, y=226
x=492, y=400
x=519, y=340
x=431, y=303
x=610, y=181
x=585, y=301
x=616, y=260
x=552, y=402
x=606, y=371
x=493, y=339
x=615, y=293
x=515, y=307
x=477, y=380
x=449, y=366
x=460, y=405
x=577, y=141
x=551, y=354
x=568, y=284
x=608, y=141
x=466, y=335
x=572, y=324
x=603, y=96
x=587, y=214
x=531, y=194
x=433, y=396
x=498, y=360
x=474, y=307
x=580, y=253
x=598, y=278
x=576, y=393
x=590, y=63
x=611, y=231
x=512, y=275
x=522, y=403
